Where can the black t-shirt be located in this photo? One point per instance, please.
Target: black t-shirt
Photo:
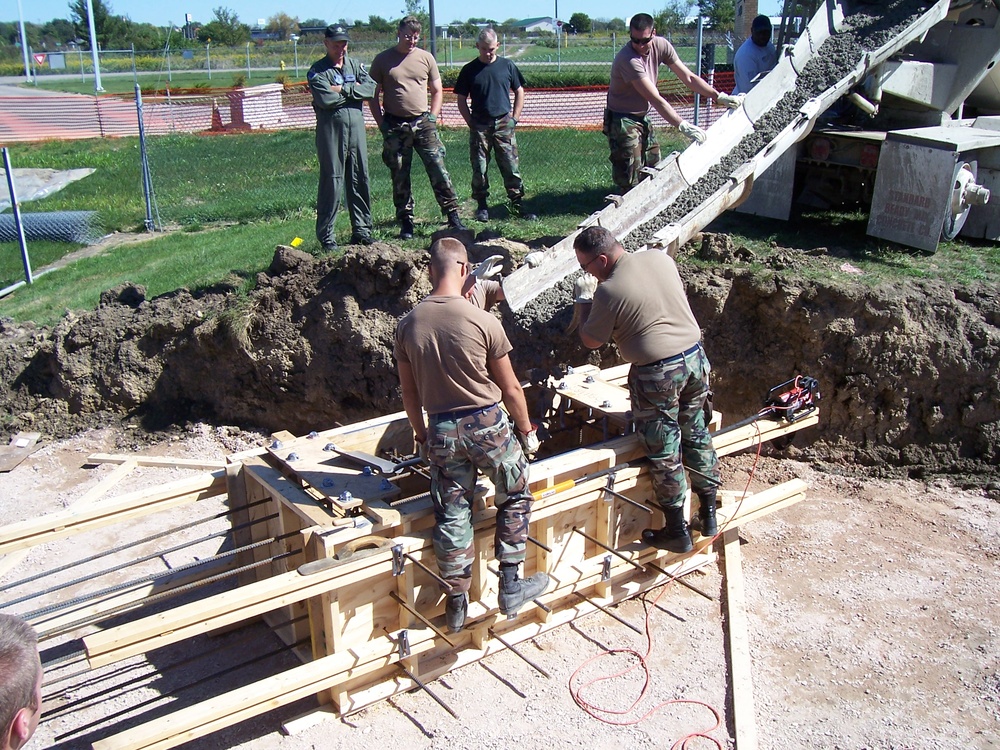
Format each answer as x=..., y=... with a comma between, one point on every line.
x=489, y=86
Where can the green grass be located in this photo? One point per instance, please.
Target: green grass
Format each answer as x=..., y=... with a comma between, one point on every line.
x=833, y=238
x=124, y=83
x=235, y=197
x=228, y=200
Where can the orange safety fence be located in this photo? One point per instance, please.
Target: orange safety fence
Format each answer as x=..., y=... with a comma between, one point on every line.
x=276, y=106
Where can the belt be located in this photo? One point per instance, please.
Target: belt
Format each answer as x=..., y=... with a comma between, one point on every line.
x=445, y=416
x=411, y=120
x=675, y=358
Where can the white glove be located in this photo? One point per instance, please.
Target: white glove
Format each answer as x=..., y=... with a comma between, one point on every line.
x=489, y=268
x=529, y=442
x=534, y=259
x=731, y=101
x=692, y=131
x=584, y=288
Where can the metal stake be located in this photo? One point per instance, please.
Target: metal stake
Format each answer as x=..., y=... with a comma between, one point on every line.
x=427, y=690
x=420, y=617
x=397, y=566
x=513, y=650
x=609, y=613
x=630, y=501
x=535, y=541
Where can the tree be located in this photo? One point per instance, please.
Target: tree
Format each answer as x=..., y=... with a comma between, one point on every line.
x=721, y=14
x=616, y=24
x=508, y=27
x=580, y=22
x=225, y=29
x=673, y=16
x=111, y=30
x=313, y=23
x=377, y=23
x=283, y=25
x=416, y=8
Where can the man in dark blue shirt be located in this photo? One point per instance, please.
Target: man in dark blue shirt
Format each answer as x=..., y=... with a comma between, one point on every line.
x=488, y=81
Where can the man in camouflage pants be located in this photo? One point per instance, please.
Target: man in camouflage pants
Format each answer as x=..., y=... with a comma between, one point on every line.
x=403, y=75
x=638, y=300
x=632, y=91
x=489, y=81
x=453, y=362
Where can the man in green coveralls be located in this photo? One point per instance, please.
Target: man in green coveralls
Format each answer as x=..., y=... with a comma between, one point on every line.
x=339, y=84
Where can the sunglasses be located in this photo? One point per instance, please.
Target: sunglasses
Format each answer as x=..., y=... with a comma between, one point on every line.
x=585, y=266
x=647, y=40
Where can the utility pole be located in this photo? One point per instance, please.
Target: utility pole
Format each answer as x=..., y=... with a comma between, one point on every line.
x=24, y=42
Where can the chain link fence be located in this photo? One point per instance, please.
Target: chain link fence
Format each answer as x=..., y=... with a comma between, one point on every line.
x=195, y=180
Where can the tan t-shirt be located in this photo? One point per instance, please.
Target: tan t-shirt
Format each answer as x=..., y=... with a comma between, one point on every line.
x=447, y=342
x=644, y=309
x=403, y=79
x=484, y=293
x=629, y=66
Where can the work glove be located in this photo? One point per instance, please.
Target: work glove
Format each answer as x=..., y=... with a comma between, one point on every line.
x=584, y=288
x=731, y=101
x=535, y=258
x=489, y=268
x=692, y=131
x=529, y=442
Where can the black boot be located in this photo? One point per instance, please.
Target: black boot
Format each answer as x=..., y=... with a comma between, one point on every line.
x=482, y=211
x=515, y=591
x=456, y=608
x=406, y=228
x=706, y=512
x=673, y=536
x=455, y=222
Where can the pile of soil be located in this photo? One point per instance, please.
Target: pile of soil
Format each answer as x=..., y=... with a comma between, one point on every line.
x=908, y=372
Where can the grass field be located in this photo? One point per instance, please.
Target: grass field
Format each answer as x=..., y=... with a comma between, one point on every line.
x=226, y=201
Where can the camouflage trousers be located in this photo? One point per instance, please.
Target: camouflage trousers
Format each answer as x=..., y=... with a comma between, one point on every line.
x=668, y=406
x=401, y=137
x=458, y=447
x=633, y=145
x=495, y=135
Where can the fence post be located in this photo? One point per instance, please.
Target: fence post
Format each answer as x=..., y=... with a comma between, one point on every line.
x=248, y=62
x=17, y=217
x=697, y=52
x=208, y=59
x=147, y=182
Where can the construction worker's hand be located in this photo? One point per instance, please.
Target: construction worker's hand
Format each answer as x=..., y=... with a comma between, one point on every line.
x=529, y=442
x=692, y=132
x=489, y=268
x=584, y=288
x=731, y=101
x=535, y=258
x=422, y=449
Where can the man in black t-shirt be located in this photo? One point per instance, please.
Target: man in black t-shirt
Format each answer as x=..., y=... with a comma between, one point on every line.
x=488, y=81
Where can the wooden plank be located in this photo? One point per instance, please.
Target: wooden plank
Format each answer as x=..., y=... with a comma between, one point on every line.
x=328, y=672
x=13, y=559
x=740, y=663
x=22, y=445
x=166, y=462
x=760, y=431
x=131, y=505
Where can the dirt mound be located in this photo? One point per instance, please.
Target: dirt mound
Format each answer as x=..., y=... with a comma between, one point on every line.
x=908, y=371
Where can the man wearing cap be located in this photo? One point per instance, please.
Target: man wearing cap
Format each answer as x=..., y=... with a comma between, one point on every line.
x=339, y=84
x=755, y=56
x=632, y=91
x=404, y=74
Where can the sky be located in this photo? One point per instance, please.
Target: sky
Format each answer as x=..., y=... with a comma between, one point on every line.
x=250, y=11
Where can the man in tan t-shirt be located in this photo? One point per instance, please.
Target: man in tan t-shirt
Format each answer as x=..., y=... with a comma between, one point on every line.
x=403, y=75
x=632, y=91
x=453, y=362
x=638, y=301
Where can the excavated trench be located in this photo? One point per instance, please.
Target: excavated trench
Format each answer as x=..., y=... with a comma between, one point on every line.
x=908, y=373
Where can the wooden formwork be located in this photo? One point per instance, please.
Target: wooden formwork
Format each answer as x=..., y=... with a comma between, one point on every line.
x=344, y=561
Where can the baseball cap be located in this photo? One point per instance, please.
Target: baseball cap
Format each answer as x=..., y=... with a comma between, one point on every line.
x=337, y=33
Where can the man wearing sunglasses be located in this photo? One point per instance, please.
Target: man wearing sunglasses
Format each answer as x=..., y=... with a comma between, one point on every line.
x=633, y=91
x=638, y=301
